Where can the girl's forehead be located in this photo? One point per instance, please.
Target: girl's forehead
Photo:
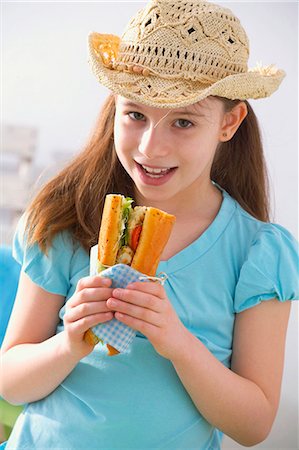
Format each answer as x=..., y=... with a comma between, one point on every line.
x=201, y=108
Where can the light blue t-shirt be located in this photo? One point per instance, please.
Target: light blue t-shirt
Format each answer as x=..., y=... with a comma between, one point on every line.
x=136, y=400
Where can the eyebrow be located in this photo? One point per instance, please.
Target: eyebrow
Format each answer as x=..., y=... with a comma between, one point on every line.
x=129, y=104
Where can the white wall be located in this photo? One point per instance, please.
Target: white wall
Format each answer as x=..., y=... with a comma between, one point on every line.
x=47, y=83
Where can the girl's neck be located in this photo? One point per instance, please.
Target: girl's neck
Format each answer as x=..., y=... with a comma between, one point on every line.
x=192, y=222
x=203, y=203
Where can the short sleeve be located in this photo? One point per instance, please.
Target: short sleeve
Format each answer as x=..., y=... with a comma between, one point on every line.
x=52, y=271
x=271, y=269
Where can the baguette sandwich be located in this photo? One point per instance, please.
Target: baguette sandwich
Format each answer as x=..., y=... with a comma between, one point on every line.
x=133, y=236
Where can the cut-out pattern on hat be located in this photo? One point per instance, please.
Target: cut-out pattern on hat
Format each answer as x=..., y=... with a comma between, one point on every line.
x=202, y=43
x=179, y=52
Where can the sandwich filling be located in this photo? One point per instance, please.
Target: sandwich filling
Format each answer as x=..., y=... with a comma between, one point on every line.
x=130, y=231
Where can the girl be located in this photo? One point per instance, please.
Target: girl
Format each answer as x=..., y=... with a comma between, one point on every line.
x=177, y=133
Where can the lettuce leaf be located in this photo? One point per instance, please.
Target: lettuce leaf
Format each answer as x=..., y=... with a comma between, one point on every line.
x=127, y=208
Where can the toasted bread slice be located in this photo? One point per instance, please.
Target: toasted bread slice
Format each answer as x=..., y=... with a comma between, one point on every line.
x=110, y=230
x=156, y=229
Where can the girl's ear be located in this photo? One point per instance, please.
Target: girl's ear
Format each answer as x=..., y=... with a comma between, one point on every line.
x=232, y=120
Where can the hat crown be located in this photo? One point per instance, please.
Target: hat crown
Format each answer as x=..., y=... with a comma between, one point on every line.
x=174, y=53
x=195, y=40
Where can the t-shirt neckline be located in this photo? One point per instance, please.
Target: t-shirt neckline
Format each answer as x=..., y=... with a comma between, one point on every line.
x=205, y=241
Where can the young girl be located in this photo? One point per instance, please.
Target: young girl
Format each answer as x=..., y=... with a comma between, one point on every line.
x=177, y=133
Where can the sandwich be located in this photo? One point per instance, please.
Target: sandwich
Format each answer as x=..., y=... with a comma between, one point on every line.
x=132, y=236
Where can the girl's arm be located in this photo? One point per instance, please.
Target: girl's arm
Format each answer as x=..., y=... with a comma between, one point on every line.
x=34, y=361
x=241, y=402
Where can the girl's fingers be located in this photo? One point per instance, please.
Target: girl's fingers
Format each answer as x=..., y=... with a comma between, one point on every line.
x=90, y=294
x=95, y=281
x=144, y=314
x=143, y=298
x=85, y=309
x=145, y=328
x=79, y=327
x=153, y=288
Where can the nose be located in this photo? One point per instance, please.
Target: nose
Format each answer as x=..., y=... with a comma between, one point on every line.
x=152, y=144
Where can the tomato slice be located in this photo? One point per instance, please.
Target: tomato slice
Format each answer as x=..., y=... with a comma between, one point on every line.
x=135, y=237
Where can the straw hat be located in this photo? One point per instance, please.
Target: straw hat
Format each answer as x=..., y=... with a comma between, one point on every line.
x=176, y=52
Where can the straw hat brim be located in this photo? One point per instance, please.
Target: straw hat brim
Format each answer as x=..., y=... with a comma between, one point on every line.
x=156, y=91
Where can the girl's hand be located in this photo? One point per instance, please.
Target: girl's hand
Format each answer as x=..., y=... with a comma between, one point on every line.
x=85, y=309
x=145, y=307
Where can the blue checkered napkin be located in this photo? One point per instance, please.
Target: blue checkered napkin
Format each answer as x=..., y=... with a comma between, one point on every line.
x=115, y=333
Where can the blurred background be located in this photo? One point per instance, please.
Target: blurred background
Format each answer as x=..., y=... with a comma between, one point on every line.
x=50, y=101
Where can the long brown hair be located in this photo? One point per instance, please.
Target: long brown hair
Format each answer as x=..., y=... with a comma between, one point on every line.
x=73, y=200
x=239, y=165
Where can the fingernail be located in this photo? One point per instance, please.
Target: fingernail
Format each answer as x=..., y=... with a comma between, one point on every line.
x=112, y=302
x=106, y=281
x=117, y=292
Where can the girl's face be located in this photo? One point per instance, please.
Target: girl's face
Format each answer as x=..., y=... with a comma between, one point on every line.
x=167, y=153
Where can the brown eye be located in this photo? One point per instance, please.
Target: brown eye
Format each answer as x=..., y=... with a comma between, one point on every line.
x=183, y=123
x=134, y=115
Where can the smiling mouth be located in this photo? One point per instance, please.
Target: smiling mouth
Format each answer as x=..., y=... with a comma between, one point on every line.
x=156, y=172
